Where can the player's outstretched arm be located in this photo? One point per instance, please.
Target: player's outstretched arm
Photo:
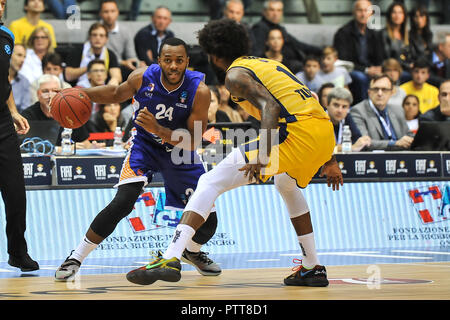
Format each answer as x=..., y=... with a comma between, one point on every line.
x=241, y=84
x=117, y=93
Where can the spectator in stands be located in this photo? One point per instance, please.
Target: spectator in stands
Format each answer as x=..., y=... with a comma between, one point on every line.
x=395, y=35
x=357, y=43
x=224, y=104
x=323, y=94
x=420, y=34
x=235, y=10
x=411, y=106
x=148, y=40
x=94, y=48
x=386, y=126
x=418, y=86
x=274, y=50
x=59, y=8
x=216, y=7
x=214, y=114
x=441, y=112
x=393, y=69
x=339, y=76
x=440, y=59
x=107, y=119
x=96, y=73
x=339, y=102
x=40, y=111
x=97, y=76
x=120, y=41
x=309, y=74
x=271, y=17
x=24, y=27
x=19, y=83
x=38, y=45
x=51, y=64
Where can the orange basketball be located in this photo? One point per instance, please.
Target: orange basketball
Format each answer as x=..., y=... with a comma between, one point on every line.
x=72, y=108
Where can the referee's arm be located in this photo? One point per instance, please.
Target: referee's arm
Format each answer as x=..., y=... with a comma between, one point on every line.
x=20, y=123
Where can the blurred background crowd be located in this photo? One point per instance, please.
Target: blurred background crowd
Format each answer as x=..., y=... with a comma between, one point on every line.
x=383, y=73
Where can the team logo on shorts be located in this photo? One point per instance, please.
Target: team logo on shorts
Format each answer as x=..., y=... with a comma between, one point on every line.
x=7, y=49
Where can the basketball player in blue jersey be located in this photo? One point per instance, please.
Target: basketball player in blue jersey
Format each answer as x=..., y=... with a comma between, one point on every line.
x=267, y=90
x=166, y=98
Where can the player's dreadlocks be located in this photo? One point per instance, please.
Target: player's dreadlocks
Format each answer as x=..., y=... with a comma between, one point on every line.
x=225, y=39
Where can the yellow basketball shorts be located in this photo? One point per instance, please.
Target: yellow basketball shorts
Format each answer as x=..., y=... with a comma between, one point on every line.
x=303, y=147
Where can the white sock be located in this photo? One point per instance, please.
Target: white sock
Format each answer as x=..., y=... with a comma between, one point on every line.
x=82, y=251
x=183, y=235
x=193, y=246
x=308, y=247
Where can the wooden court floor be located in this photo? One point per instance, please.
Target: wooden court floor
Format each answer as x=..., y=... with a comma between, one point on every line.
x=412, y=281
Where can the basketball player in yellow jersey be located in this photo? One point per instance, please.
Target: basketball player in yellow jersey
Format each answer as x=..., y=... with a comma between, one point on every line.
x=296, y=140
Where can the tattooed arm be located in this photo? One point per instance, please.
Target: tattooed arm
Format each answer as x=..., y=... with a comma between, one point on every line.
x=240, y=83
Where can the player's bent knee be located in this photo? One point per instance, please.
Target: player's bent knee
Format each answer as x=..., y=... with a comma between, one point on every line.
x=207, y=230
x=292, y=195
x=284, y=183
x=121, y=206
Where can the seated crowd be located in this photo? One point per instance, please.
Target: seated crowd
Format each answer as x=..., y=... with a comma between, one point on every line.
x=381, y=83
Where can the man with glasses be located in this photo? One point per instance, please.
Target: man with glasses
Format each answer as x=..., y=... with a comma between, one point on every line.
x=385, y=125
x=24, y=27
x=97, y=76
x=48, y=86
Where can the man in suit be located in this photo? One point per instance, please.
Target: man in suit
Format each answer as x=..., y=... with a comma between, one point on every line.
x=385, y=125
x=442, y=111
x=440, y=59
x=358, y=43
x=234, y=10
x=148, y=40
x=293, y=49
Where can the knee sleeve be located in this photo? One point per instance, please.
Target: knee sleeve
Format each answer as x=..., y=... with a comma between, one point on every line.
x=122, y=204
x=207, y=229
x=292, y=195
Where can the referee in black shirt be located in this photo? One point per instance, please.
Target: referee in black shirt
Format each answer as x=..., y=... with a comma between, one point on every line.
x=12, y=183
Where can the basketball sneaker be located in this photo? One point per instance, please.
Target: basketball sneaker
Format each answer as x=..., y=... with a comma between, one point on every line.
x=67, y=270
x=204, y=265
x=315, y=277
x=158, y=269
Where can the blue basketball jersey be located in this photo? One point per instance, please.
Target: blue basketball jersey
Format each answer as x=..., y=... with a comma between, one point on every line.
x=170, y=108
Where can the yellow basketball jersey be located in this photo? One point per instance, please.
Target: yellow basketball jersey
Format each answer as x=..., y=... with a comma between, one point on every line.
x=294, y=98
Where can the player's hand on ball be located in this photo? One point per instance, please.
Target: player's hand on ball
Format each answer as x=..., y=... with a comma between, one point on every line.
x=333, y=172
x=147, y=120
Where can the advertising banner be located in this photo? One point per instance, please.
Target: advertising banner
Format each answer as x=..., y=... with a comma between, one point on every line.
x=37, y=171
x=250, y=219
